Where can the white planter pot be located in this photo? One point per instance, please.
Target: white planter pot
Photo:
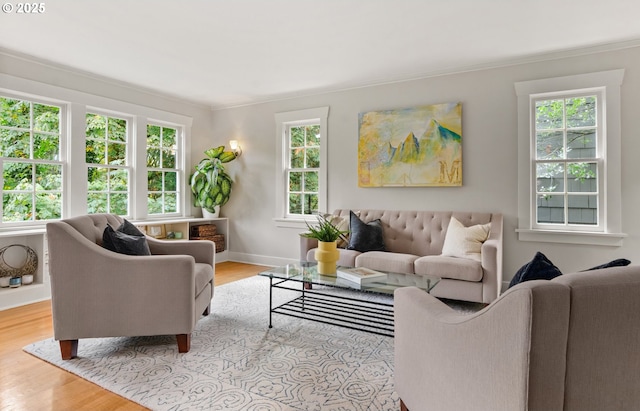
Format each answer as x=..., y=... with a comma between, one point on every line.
x=208, y=214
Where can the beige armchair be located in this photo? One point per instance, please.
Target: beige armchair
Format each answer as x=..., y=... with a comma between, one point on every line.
x=99, y=293
x=568, y=344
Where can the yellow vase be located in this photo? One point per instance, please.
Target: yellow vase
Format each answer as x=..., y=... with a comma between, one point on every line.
x=327, y=255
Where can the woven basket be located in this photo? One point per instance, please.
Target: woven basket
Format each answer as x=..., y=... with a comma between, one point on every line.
x=204, y=230
x=218, y=239
x=29, y=267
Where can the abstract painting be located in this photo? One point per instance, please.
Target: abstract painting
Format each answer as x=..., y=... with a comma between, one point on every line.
x=411, y=147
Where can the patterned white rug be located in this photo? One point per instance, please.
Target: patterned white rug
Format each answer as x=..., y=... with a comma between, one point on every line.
x=237, y=363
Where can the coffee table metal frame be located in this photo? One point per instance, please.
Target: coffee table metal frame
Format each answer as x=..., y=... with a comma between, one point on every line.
x=321, y=305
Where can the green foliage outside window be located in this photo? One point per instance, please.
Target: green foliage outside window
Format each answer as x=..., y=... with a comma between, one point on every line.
x=106, y=155
x=162, y=174
x=29, y=152
x=304, y=162
x=566, y=129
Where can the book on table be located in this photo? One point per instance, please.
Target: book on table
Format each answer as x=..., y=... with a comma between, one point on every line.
x=360, y=275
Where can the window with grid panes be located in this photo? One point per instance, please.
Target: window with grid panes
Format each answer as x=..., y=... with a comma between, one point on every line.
x=569, y=151
x=568, y=160
x=162, y=169
x=108, y=165
x=31, y=160
x=303, y=168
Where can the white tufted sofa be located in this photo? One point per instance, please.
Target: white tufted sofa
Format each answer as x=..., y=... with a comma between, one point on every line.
x=413, y=242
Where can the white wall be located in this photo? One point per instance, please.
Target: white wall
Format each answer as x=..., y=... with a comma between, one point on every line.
x=489, y=158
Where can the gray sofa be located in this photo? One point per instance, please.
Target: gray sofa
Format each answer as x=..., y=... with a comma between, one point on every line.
x=414, y=241
x=99, y=293
x=569, y=344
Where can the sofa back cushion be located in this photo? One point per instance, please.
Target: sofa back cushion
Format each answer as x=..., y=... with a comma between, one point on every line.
x=603, y=358
x=92, y=225
x=416, y=232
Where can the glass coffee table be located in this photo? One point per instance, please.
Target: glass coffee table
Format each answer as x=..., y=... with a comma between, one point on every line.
x=333, y=300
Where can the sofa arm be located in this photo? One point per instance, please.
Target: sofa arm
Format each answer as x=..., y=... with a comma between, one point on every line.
x=306, y=244
x=497, y=354
x=491, y=259
x=202, y=251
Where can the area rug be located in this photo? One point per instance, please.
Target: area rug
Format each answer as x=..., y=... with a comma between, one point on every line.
x=237, y=363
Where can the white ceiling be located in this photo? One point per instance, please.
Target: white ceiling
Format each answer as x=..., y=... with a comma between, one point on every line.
x=233, y=52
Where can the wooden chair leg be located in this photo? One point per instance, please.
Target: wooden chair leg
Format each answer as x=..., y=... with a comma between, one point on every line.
x=68, y=349
x=207, y=310
x=403, y=407
x=184, y=342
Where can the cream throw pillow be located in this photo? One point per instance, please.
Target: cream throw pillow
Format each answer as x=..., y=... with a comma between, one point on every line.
x=465, y=242
x=342, y=224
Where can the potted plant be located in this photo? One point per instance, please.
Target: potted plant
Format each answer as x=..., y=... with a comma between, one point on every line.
x=327, y=235
x=210, y=183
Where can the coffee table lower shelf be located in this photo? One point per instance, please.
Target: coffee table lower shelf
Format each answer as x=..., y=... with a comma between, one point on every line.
x=354, y=313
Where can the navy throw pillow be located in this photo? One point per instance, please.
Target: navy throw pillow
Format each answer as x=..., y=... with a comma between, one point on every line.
x=540, y=268
x=620, y=262
x=363, y=236
x=120, y=242
x=128, y=228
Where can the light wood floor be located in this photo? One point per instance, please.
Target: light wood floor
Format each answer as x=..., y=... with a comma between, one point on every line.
x=28, y=384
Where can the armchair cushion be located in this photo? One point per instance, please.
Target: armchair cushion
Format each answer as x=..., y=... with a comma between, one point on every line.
x=121, y=242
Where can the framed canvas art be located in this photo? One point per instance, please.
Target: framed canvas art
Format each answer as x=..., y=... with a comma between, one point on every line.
x=411, y=147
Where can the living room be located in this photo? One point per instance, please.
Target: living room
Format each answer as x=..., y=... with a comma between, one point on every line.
x=492, y=157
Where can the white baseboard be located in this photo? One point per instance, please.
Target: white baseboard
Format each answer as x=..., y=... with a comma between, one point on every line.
x=260, y=259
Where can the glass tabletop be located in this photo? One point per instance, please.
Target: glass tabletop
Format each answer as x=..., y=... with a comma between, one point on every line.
x=308, y=273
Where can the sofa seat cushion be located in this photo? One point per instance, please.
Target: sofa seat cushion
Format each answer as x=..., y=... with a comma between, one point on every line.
x=204, y=275
x=449, y=267
x=383, y=261
x=347, y=257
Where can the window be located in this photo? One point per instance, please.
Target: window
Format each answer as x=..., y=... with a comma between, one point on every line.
x=162, y=169
x=568, y=161
x=107, y=142
x=64, y=153
x=303, y=167
x=301, y=171
x=30, y=153
x=569, y=150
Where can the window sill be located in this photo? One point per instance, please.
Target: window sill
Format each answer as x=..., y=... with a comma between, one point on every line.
x=22, y=231
x=571, y=237
x=293, y=223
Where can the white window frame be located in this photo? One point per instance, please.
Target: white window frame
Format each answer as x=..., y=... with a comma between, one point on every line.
x=609, y=230
x=283, y=122
x=130, y=143
x=72, y=147
x=62, y=157
x=598, y=160
x=179, y=168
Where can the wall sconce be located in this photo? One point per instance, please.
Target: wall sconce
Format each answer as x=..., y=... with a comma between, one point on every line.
x=235, y=147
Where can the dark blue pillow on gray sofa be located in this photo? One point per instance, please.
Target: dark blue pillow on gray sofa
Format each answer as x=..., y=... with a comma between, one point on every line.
x=540, y=268
x=363, y=236
x=620, y=262
x=127, y=239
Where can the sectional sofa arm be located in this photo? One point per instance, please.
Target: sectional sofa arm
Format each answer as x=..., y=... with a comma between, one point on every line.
x=203, y=251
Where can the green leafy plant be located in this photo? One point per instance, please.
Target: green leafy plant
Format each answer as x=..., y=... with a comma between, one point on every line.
x=210, y=183
x=325, y=231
